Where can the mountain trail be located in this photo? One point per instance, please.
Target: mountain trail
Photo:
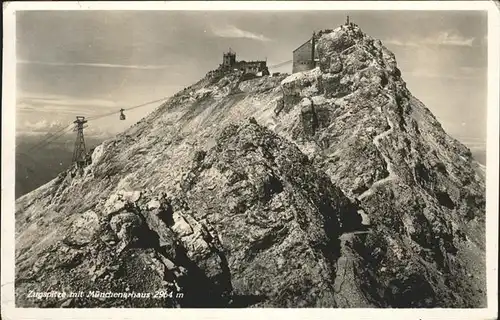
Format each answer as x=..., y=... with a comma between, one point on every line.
x=376, y=141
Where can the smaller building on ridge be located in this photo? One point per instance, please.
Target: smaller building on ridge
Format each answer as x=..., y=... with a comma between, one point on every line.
x=229, y=62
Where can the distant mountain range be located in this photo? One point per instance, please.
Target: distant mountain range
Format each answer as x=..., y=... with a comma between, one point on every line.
x=37, y=166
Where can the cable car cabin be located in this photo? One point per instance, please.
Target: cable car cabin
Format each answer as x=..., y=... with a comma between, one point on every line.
x=122, y=115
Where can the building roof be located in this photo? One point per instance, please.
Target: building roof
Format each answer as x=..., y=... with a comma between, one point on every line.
x=308, y=41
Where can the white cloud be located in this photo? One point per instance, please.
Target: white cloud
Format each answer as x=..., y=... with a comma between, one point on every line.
x=63, y=100
x=60, y=128
x=400, y=43
x=95, y=65
x=59, y=104
x=444, y=38
x=44, y=113
x=443, y=75
x=230, y=31
x=99, y=132
x=43, y=125
x=451, y=39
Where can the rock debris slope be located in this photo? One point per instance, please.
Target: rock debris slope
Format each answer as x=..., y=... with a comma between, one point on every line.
x=333, y=187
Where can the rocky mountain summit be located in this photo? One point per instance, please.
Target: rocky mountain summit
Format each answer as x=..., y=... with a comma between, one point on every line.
x=333, y=187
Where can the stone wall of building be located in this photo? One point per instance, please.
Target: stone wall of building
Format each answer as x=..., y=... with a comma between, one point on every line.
x=229, y=59
x=303, y=57
x=229, y=62
x=252, y=66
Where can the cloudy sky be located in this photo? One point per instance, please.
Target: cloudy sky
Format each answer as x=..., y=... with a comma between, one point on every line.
x=92, y=62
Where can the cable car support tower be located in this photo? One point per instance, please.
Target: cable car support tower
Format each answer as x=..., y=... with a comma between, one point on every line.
x=79, y=152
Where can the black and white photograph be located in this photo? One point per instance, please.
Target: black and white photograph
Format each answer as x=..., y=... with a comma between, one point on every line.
x=235, y=155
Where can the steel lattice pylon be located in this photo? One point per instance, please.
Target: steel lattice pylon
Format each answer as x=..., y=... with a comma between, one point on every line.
x=79, y=152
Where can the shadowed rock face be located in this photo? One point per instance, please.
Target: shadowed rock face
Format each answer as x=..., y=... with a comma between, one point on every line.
x=333, y=187
x=254, y=223
x=277, y=218
x=388, y=152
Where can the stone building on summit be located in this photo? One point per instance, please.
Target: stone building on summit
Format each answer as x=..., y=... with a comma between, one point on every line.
x=305, y=56
x=229, y=59
x=229, y=62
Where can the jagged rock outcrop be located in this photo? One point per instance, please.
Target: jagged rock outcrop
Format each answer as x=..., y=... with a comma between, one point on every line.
x=333, y=187
x=385, y=149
